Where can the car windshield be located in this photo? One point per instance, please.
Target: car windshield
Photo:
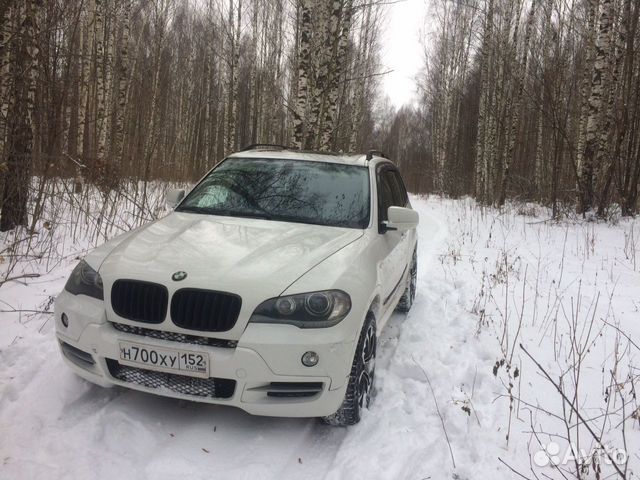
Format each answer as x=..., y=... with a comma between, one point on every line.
x=287, y=190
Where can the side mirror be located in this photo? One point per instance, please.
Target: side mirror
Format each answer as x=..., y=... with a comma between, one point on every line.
x=174, y=197
x=400, y=218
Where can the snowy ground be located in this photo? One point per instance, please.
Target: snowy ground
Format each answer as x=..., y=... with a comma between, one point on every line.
x=488, y=281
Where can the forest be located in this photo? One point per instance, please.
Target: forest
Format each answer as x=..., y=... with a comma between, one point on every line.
x=520, y=151
x=108, y=91
x=537, y=100
x=532, y=100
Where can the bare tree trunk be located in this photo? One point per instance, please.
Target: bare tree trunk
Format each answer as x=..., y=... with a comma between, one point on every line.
x=605, y=161
x=6, y=17
x=329, y=123
x=293, y=81
x=481, y=164
x=585, y=87
x=100, y=83
x=321, y=57
x=277, y=60
x=253, y=99
x=234, y=90
x=232, y=75
x=304, y=50
x=515, y=120
x=596, y=138
x=85, y=73
x=362, y=64
x=540, y=180
x=328, y=21
x=123, y=78
x=21, y=131
x=629, y=176
x=151, y=133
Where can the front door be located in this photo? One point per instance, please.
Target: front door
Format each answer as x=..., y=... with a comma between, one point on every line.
x=394, y=244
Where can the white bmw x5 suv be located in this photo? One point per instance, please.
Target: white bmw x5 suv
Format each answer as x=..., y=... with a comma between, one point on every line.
x=265, y=288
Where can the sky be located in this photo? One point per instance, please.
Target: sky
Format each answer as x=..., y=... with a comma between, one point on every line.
x=402, y=51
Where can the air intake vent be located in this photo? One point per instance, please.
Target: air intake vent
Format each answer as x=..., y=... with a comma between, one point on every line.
x=205, y=310
x=77, y=356
x=293, y=389
x=175, y=337
x=290, y=389
x=197, y=387
x=139, y=301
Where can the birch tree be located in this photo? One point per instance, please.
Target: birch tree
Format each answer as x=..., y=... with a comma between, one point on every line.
x=144, y=89
x=123, y=82
x=304, y=59
x=541, y=100
x=595, y=137
x=482, y=158
x=6, y=29
x=329, y=121
x=20, y=134
x=515, y=120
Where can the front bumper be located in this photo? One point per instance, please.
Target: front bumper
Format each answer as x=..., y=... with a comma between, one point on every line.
x=262, y=375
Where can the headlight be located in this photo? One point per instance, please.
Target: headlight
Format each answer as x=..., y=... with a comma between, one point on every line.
x=305, y=310
x=84, y=280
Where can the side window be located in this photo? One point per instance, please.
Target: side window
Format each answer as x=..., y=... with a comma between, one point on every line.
x=397, y=190
x=402, y=191
x=385, y=194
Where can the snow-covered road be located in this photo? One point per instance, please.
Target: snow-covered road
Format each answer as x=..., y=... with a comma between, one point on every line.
x=55, y=425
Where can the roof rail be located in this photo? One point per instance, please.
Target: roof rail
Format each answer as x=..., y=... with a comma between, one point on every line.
x=378, y=153
x=256, y=146
x=321, y=152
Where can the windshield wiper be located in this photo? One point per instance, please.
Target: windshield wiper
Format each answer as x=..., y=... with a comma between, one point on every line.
x=192, y=209
x=296, y=219
x=225, y=213
x=233, y=213
x=260, y=215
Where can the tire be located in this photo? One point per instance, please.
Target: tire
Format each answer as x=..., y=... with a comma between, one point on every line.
x=361, y=378
x=409, y=295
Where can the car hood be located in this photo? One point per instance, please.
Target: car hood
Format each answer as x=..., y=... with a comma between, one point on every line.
x=237, y=255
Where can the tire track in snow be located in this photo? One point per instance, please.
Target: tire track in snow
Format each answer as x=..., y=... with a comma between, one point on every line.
x=402, y=437
x=358, y=456
x=323, y=444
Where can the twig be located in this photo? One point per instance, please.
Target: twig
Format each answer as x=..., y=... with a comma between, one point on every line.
x=513, y=469
x=575, y=410
x=437, y=409
x=541, y=221
x=623, y=334
x=18, y=277
x=26, y=311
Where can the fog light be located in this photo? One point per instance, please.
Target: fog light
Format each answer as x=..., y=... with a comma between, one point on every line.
x=65, y=320
x=309, y=359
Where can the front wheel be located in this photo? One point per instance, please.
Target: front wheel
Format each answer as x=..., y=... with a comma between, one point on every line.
x=360, y=384
x=409, y=295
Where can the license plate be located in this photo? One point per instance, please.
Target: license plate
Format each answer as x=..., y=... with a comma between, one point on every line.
x=168, y=360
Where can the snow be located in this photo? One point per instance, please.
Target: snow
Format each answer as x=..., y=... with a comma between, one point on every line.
x=488, y=281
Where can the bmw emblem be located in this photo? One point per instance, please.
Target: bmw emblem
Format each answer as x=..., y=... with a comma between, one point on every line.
x=179, y=276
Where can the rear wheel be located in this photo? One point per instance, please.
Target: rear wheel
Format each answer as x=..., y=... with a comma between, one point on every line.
x=406, y=301
x=361, y=379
